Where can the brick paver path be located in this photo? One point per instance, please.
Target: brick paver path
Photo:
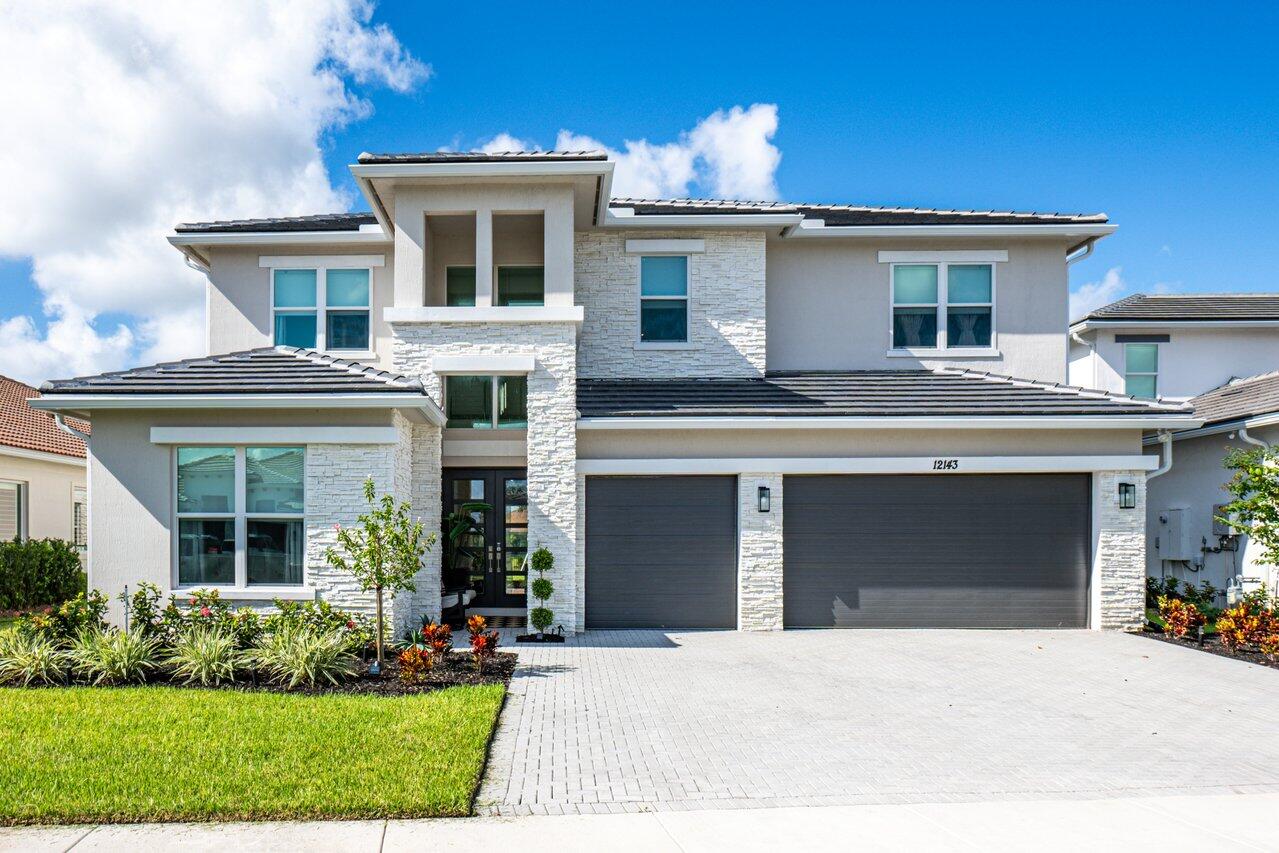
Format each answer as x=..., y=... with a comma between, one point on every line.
x=639, y=720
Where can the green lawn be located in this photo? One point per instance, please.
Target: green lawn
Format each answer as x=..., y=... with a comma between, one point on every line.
x=83, y=754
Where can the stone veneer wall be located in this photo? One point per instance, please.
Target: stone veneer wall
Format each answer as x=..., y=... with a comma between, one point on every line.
x=759, y=554
x=726, y=306
x=552, y=427
x=1120, y=560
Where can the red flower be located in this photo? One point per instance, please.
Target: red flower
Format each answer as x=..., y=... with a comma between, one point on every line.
x=350, y=624
x=204, y=611
x=193, y=600
x=337, y=527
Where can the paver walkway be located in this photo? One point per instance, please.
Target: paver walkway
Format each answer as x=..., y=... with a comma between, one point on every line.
x=644, y=720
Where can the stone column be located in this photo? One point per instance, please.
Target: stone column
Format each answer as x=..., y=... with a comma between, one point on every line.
x=1119, y=553
x=759, y=554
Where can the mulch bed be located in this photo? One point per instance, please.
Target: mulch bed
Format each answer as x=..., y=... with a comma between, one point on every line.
x=1214, y=646
x=457, y=670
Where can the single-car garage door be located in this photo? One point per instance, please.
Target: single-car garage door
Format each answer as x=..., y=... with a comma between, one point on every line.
x=661, y=552
x=989, y=551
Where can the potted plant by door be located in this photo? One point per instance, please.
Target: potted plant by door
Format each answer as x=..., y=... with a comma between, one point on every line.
x=541, y=561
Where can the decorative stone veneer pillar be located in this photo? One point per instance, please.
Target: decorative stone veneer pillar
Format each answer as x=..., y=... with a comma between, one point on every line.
x=552, y=425
x=1119, y=561
x=759, y=554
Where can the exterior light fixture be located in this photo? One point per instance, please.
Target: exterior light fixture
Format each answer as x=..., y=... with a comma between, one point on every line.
x=765, y=499
x=1127, y=496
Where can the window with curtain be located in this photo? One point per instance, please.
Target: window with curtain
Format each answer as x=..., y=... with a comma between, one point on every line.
x=663, y=299
x=240, y=516
x=520, y=286
x=943, y=306
x=1141, y=370
x=459, y=286
x=486, y=402
x=323, y=308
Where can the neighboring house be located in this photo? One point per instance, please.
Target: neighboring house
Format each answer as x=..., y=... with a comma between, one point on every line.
x=714, y=414
x=1175, y=346
x=43, y=493
x=1184, y=539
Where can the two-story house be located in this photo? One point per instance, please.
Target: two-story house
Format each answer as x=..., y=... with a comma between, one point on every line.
x=715, y=414
x=1219, y=352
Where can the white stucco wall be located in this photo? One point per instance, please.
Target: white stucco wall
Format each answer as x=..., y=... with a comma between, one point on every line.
x=50, y=491
x=829, y=306
x=1192, y=362
x=726, y=323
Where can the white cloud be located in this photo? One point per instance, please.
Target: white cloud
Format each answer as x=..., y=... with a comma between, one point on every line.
x=1094, y=294
x=728, y=154
x=130, y=118
x=506, y=142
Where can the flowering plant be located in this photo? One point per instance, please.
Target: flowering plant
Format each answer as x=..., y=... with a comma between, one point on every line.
x=1180, y=617
x=483, y=643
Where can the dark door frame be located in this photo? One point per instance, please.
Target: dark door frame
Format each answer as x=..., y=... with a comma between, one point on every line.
x=491, y=584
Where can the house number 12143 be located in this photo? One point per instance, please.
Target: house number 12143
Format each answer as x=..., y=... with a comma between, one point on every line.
x=945, y=464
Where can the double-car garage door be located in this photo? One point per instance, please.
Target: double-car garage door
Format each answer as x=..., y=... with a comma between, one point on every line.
x=860, y=551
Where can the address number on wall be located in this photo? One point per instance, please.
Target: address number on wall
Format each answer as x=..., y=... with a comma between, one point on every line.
x=945, y=464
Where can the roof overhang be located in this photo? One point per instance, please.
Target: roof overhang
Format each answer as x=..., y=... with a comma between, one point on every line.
x=625, y=217
x=41, y=456
x=818, y=228
x=84, y=403
x=1267, y=419
x=1081, y=326
x=195, y=244
x=1063, y=422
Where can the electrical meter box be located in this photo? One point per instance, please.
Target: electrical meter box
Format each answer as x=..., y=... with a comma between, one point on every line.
x=1174, y=536
x=1220, y=528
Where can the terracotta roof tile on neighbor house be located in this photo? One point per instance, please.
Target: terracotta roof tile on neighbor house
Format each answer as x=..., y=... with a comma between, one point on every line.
x=1191, y=306
x=942, y=392
x=23, y=427
x=269, y=370
x=1239, y=398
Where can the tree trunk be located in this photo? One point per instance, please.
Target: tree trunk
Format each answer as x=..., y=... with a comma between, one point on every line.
x=378, y=590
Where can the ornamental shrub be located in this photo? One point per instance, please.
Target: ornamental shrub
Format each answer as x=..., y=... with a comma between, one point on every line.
x=201, y=608
x=68, y=620
x=114, y=656
x=1245, y=625
x=297, y=655
x=415, y=665
x=1180, y=617
x=542, y=616
x=37, y=572
x=206, y=655
x=28, y=659
x=483, y=643
x=321, y=616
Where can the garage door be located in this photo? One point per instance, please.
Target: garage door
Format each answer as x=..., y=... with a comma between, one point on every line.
x=661, y=552
x=998, y=551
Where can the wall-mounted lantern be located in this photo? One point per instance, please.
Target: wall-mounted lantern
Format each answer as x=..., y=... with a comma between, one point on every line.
x=1127, y=496
x=765, y=499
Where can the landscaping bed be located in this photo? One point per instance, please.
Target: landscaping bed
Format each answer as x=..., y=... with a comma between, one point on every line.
x=157, y=753
x=1213, y=645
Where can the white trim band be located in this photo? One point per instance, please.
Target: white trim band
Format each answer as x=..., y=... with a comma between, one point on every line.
x=957, y=422
x=502, y=314
x=41, y=456
x=942, y=465
x=333, y=262
x=993, y=256
x=665, y=247
x=483, y=365
x=274, y=435
x=461, y=447
x=89, y=402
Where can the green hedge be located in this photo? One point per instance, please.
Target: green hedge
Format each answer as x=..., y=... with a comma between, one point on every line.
x=38, y=571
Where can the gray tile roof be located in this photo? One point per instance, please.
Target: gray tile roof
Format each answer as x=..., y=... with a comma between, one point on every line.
x=876, y=393
x=850, y=214
x=318, y=222
x=482, y=156
x=270, y=370
x=1239, y=398
x=1191, y=306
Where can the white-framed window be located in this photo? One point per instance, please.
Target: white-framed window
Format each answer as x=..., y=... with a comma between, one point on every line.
x=240, y=516
x=486, y=402
x=80, y=517
x=943, y=306
x=322, y=308
x=13, y=510
x=663, y=299
x=1141, y=370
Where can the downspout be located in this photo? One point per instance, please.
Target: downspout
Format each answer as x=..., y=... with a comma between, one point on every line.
x=59, y=419
x=1092, y=354
x=1243, y=436
x=1086, y=248
x=1165, y=438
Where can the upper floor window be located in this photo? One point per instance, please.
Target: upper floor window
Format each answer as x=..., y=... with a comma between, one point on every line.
x=486, y=402
x=321, y=308
x=1141, y=370
x=240, y=516
x=663, y=299
x=943, y=306
x=519, y=286
x=459, y=286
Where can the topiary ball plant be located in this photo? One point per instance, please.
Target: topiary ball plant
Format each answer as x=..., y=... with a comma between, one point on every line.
x=542, y=561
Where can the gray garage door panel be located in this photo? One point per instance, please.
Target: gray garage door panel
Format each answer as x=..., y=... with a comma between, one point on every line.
x=661, y=552
x=989, y=551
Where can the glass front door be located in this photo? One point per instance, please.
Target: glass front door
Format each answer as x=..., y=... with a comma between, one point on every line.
x=489, y=554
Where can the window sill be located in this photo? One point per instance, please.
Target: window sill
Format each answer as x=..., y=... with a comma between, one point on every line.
x=946, y=354
x=667, y=345
x=252, y=593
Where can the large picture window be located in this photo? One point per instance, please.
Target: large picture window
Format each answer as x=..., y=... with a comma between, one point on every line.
x=663, y=299
x=240, y=516
x=321, y=308
x=486, y=402
x=943, y=306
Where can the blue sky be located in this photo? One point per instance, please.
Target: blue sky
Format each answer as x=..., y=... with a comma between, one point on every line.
x=1163, y=115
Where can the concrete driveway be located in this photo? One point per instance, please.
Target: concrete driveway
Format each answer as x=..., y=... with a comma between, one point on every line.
x=646, y=720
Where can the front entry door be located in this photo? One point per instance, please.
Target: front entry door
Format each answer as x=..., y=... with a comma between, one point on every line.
x=492, y=558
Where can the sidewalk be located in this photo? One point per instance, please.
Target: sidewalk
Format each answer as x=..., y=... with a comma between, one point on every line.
x=1198, y=823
